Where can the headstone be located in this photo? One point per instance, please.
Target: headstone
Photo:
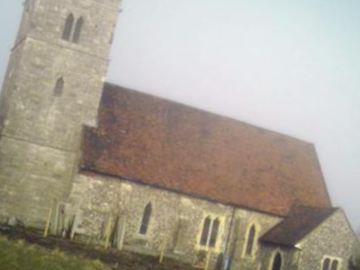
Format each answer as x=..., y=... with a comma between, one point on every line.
x=12, y=221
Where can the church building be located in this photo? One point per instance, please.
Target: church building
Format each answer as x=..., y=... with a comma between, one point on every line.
x=116, y=167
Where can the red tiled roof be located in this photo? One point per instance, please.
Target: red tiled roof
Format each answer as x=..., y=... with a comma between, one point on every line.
x=298, y=224
x=173, y=146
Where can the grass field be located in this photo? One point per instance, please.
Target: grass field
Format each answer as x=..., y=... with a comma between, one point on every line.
x=20, y=256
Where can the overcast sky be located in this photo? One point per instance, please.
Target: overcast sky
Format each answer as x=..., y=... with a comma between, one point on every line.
x=290, y=66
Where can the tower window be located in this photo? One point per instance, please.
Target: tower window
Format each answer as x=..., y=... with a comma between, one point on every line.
x=59, y=87
x=250, y=240
x=68, y=27
x=78, y=28
x=146, y=219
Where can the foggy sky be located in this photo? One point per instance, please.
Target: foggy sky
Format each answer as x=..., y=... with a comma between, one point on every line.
x=290, y=66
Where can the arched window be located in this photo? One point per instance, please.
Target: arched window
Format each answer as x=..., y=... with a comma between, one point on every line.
x=214, y=232
x=146, y=219
x=334, y=265
x=326, y=264
x=68, y=27
x=205, y=231
x=59, y=87
x=78, y=28
x=277, y=263
x=250, y=240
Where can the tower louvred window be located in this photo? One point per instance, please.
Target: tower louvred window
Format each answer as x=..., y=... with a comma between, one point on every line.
x=78, y=29
x=69, y=23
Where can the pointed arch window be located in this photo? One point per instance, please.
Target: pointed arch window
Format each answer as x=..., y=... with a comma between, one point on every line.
x=146, y=219
x=214, y=232
x=210, y=231
x=326, y=264
x=334, y=265
x=78, y=28
x=277, y=263
x=59, y=87
x=205, y=231
x=330, y=264
x=250, y=240
x=69, y=23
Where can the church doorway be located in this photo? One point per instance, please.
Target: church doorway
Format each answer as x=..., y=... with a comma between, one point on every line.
x=277, y=262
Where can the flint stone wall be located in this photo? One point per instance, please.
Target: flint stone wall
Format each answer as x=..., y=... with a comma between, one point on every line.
x=334, y=238
x=176, y=219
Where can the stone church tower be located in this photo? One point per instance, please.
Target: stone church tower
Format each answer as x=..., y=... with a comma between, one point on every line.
x=51, y=90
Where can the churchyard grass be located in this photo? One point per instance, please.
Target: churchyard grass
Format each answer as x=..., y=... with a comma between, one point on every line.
x=17, y=255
